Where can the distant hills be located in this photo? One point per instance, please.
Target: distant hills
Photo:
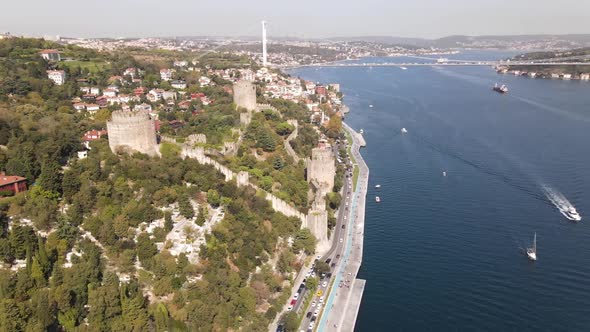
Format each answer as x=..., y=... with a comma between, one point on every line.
x=497, y=41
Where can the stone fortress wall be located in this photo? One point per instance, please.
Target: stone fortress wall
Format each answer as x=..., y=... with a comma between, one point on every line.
x=291, y=137
x=242, y=179
x=132, y=131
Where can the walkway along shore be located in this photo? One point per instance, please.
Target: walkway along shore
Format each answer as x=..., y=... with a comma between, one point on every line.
x=343, y=303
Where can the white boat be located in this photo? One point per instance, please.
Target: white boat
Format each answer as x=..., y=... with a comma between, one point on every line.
x=371, y=106
x=377, y=199
x=361, y=132
x=377, y=186
x=572, y=214
x=444, y=173
x=404, y=131
x=532, y=252
x=404, y=68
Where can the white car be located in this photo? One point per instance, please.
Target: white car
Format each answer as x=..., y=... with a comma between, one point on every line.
x=325, y=284
x=340, y=240
x=316, y=312
x=321, y=299
x=313, y=304
x=289, y=308
x=311, y=326
x=296, y=296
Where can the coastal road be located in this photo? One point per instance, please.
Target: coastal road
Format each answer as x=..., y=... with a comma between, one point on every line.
x=335, y=250
x=346, y=292
x=340, y=240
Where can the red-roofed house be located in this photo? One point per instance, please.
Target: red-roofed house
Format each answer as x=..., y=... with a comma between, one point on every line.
x=92, y=135
x=12, y=183
x=51, y=55
x=140, y=91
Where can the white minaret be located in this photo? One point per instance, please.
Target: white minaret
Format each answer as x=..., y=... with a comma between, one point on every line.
x=264, y=43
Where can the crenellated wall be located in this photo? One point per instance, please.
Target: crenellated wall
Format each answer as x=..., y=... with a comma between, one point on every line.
x=291, y=137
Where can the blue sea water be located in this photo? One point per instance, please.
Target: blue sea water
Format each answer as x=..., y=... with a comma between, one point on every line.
x=447, y=253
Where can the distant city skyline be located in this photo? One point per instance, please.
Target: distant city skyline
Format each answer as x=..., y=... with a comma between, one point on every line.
x=305, y=19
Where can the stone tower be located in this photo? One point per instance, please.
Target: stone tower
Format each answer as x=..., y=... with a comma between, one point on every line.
x=245, y=95
x=317, y=222
x=132, y=131
x=321, y=169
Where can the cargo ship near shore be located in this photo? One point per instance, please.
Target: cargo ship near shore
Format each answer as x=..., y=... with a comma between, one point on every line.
x=500, y=88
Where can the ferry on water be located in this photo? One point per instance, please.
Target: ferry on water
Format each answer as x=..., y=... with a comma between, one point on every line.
x=500, y=89
x=377, y=199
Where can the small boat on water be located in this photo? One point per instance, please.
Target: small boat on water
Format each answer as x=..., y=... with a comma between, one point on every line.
x=377, y=199
x=361, y=132
x=444, y=173
x=532, y=252
x=404, y=131
x=377, y=186
x=500, y=88
x=572, y=214
x=371, y=106
x=404, y=68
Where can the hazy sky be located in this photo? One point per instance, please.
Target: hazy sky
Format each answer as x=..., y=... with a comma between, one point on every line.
x=296, y=18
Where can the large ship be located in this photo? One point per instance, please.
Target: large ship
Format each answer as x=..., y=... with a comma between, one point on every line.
x=500, y=88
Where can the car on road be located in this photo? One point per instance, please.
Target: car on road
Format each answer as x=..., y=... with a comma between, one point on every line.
x=325, y=284
x=321, y=299
x=341, y=240
x=313, y=319
x=316, y=312
x=293, y=301
x=328, y=260
x=333, y=265
x=289, y=308
x=343, y=225
x=313, y=304
x=311, y=325
x=280, y=328
x=309, y=314
x=320, y=292
x=296, y=296
x=337, y=256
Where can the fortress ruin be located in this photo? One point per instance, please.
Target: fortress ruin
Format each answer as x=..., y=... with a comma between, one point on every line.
x=131, y=131
x=321, y=169
x=245, y=95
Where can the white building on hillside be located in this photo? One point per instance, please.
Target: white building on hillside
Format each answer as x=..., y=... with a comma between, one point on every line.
x=57, y=76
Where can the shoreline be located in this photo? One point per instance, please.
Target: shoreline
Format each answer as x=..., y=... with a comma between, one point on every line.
x=347, y=299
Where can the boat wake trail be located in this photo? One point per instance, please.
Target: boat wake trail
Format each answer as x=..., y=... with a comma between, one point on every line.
x=482, y=168
x=561, y=203
x=552, y=109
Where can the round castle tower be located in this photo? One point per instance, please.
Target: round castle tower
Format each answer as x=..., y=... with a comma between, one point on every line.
x=245, y=95
x=321, y=169
x=132, y=131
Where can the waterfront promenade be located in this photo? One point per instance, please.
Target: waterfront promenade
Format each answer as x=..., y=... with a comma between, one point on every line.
x=346, y=292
